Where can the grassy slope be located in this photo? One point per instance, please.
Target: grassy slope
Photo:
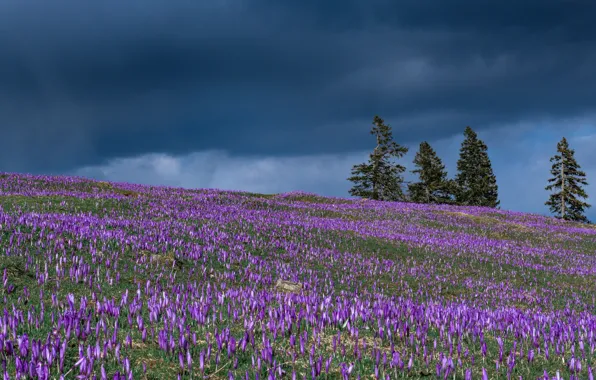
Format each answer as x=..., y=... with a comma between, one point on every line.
x=188, y=274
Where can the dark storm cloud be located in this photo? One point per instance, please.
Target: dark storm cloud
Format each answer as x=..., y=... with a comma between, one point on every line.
x=569, y=16
x=93, y=81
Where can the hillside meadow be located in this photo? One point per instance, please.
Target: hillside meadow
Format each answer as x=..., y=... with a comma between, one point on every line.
x=121, y=281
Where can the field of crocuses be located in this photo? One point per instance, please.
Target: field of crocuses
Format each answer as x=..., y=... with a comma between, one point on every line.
x=120, y=281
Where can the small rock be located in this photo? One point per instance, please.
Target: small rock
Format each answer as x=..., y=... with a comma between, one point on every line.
x=288, y=286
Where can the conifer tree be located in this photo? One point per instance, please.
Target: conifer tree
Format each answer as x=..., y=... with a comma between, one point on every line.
x=433, y=187
x=567, y=179
x=380, y=178
x=476, y=182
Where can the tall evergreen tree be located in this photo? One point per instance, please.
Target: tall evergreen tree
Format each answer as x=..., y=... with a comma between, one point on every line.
x=476, y=182
x=567, y=178
x=380, y=178
x=434, y=187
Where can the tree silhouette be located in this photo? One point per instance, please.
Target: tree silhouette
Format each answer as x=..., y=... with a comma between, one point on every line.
x=380, y=178
x=567, y=179
x=476, y=182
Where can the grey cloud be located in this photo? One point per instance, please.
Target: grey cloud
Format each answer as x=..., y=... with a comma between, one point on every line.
x=323, y=174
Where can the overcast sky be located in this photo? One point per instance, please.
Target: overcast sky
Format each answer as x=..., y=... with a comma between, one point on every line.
x=275, y=96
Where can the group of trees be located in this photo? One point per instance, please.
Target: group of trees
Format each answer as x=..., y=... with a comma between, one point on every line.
x=475, y=184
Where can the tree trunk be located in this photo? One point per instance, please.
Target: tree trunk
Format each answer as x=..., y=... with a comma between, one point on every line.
x=562, y=190
x=375, y=189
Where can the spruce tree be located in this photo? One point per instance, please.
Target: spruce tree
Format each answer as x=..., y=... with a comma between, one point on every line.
x=433, y=187
x=567, y=179
x=476, y=182
x=380, y=178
